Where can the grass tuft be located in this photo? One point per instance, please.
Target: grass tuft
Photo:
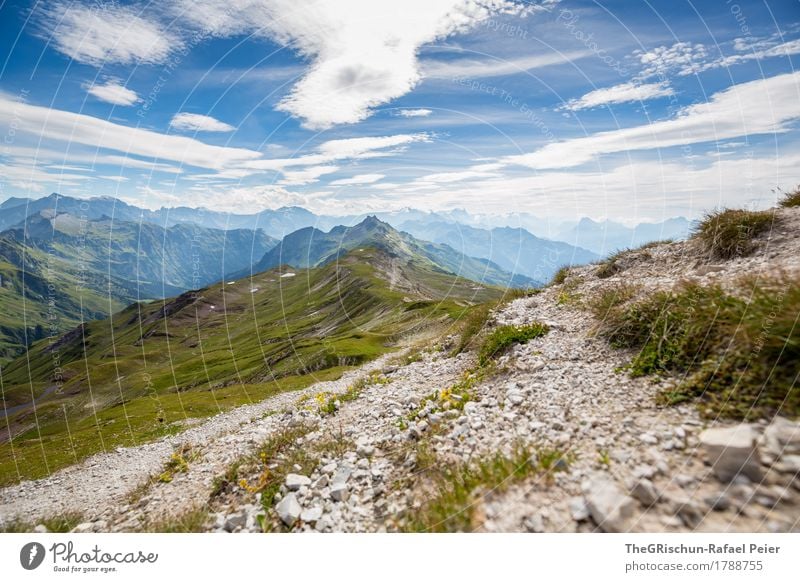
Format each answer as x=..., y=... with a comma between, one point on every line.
x=506, y=336
x=727, y=234
x=459, y=488
x=58, y=524
x=560, y=276
x=791, y=199
x=736, y=351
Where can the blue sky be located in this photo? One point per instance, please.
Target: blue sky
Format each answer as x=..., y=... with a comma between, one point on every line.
x=624, y=110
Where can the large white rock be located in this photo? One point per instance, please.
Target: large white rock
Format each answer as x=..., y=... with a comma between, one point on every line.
x=732, y=451
x=295, y=481
x=610, y=508
x=782, y=437
x=289, y=509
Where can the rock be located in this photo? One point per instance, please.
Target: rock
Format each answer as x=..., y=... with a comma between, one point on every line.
x=342, y=475
x=578, y=509
x=328, y=469
x=339, y=491
x=515, y=397
x=321, y=482
x=234, y=521
x=40, y=529
x=732, y=451
x=718, y=502
x=687, y=510
x=534, y=523
x=365, y=451
x=288, y=509
x=295, y=481
x=648, y=438
x=611, y=509
x=645, y=492
x=86, y=527
x=782, y=437
x=311, y=515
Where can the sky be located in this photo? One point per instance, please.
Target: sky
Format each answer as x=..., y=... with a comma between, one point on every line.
x=633, y=111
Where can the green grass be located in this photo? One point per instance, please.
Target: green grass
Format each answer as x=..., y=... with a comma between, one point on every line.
x=506, y=336
x=610, y=266
x=790, y=199
x=139, y=375
x=192, y=521
x=560, y=276
x=727, y=234
x=735, y=352
x=458, y=489
x=610, y=298
x=58, y=524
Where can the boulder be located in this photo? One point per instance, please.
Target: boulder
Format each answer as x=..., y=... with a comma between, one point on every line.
x=288, y=509
x=610, y=508
x=295, y=481
x=732, y=451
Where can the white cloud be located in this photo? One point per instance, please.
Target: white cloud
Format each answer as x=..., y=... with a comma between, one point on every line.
x=74, y=128
x=684, y=58
x=495, y=67
x=307, y=175
x=356, y=148
x=112, y=91
x=624, y=93
x=196, y=122
x=413, y=112
x=99, y=34
x=758, y=107
x=358, y=179
x=362, y=53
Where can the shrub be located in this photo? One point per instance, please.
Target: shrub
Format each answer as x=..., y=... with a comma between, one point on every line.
x=727, y=234
x=506, y=336
x=791, y=200
x=610, y=266
x=473, y=323
x=737, y=352
x=611, y=298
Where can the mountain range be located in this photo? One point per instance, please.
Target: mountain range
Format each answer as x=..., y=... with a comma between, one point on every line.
x=59, y=270
x=310, y=247
x=600, y=238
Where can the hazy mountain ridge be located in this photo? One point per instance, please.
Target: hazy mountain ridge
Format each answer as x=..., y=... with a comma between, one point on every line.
x=311, y=247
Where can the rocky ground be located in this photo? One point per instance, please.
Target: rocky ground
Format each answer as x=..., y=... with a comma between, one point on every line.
x=368, y=462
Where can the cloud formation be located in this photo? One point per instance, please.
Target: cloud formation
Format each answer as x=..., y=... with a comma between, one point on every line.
x=97, y=34
x=735, y=112
x=196, y=122
x=624, y=93
x=112, y=91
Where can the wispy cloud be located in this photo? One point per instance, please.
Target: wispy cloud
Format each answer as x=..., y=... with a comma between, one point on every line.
x=496, y=67
x=413, y=112
x=112, y=91
x=735, y=112
x=97, y=34
x=623, y=93
x=358, y=179
x=196, y=122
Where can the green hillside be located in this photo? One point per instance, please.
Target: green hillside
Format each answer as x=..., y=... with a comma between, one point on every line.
x=59, y=270
x=137, y=375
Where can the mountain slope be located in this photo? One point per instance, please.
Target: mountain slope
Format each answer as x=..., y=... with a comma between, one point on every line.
x=140, y=373
x=164, y=261
x=40, y=297
x=60, y=270
x=514, y=249
x=311, y=247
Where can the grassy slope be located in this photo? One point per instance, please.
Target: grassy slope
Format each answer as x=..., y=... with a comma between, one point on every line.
x=41, y=296
x=138, y=373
